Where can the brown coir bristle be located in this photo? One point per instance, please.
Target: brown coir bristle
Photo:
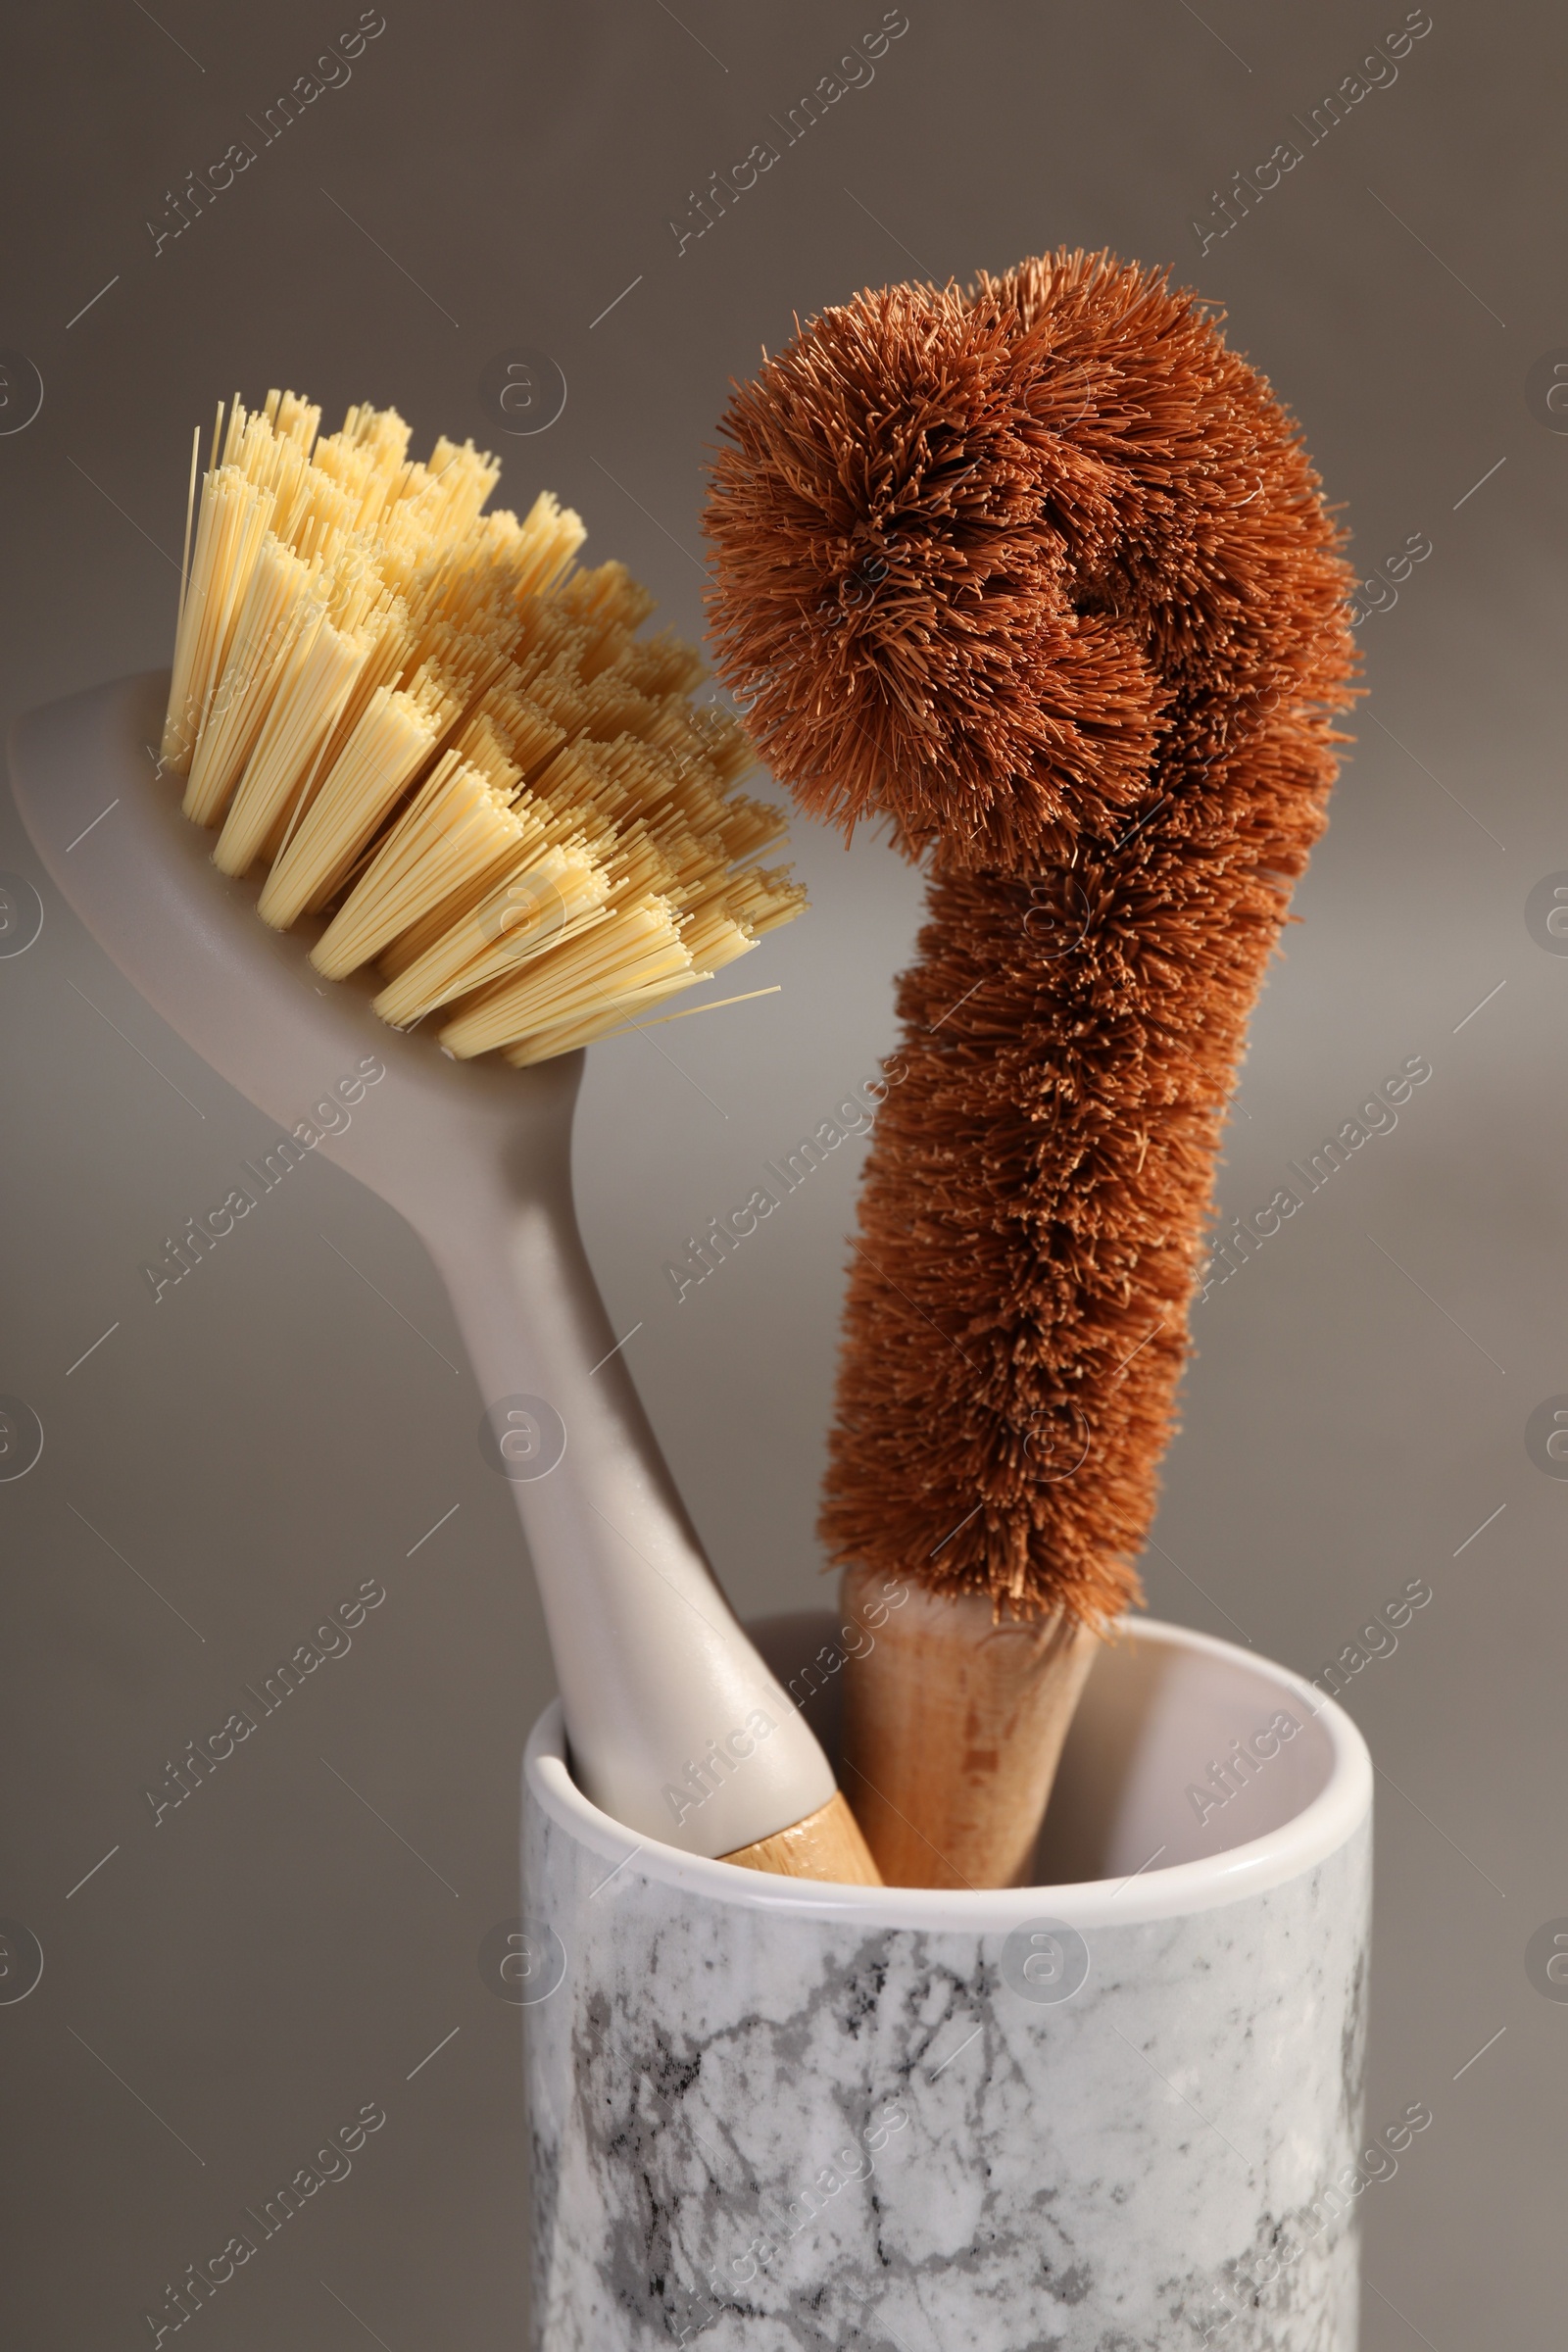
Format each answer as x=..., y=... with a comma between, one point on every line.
x=1040, y=574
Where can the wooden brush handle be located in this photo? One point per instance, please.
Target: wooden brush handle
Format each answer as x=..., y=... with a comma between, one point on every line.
x=826, y=1845
x=953, y=1727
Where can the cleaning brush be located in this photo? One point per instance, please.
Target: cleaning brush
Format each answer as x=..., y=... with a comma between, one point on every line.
x=423, y=740
x=1037, y=574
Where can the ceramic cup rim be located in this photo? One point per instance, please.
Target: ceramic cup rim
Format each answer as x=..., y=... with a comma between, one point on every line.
x=1322, y=1826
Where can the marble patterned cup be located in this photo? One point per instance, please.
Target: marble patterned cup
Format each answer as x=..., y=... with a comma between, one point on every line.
x=1119, y=2107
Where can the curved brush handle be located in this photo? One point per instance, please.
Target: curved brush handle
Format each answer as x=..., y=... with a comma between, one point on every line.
x=677, y=1728
x=660, y=1686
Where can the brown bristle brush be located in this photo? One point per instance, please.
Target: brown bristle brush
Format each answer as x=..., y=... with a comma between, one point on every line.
x=1040, y=574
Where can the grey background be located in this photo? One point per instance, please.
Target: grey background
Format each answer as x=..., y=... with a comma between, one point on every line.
x=233, y=1983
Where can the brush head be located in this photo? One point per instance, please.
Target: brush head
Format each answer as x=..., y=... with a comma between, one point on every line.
x=894, y=598
x=1040, y=574
x=429, y=725
x=972, y=549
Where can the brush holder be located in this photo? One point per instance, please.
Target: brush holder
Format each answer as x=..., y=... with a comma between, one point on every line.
x=1119, y=2106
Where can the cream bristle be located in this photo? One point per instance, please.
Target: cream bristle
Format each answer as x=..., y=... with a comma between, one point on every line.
x=750, y=825
x=437, y=731
x=556, y=685
x=565, y=820
x=549, y=897
x=533, y=738
x=369, y=460
x=479, y=741
x=385, y=752
x=601, y=1016
x=611, y=708
x=231, y=523
x=565, y=1037
x=725, y=743
x=550, y=538
x=547, y=638
x=664, y=665
x=713, y=940
x=325, y=656
x=449, y=913
x=190, y=515
x=267, y=625
x=388, y=662
x=617, y=958
x=610, y=605
x=458, y=828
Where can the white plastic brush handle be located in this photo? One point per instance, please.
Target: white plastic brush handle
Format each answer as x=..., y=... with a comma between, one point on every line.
x=655, y=1672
